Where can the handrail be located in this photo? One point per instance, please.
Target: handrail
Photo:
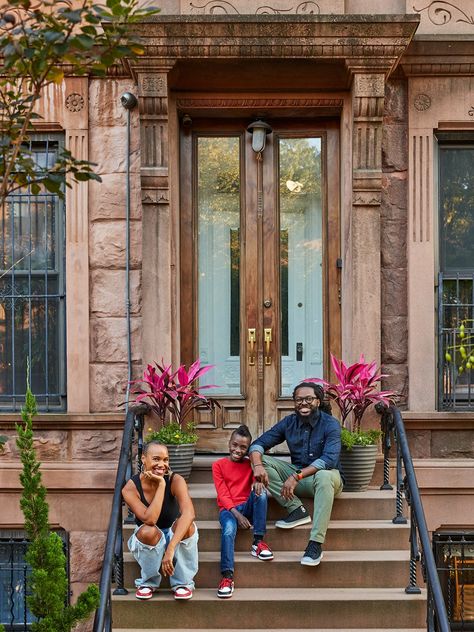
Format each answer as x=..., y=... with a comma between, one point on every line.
x=113, y=554
x=392, y=421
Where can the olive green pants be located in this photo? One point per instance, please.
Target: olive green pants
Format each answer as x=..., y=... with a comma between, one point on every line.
x=323, y=486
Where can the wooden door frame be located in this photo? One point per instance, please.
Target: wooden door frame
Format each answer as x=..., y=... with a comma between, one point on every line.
x=329, y=131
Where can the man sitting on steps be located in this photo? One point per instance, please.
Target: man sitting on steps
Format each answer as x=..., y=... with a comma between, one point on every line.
x=314, y=440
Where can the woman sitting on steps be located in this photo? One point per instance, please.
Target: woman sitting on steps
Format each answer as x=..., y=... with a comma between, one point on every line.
x=165, y=537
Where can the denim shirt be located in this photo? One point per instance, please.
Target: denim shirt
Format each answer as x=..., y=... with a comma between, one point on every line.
x=315, y=442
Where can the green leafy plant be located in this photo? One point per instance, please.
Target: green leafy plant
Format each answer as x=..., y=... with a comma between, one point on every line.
x=48, y=581
x=3, y=440
x=362, y=437
x=41, y=43
x=173, y=434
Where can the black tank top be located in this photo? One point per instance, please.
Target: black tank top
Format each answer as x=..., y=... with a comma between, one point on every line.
x=169, y=509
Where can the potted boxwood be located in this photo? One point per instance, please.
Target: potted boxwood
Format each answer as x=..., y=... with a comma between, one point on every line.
x=174, y=395
x=353, y=392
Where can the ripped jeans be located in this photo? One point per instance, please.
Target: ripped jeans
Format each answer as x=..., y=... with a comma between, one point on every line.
x=149, y=558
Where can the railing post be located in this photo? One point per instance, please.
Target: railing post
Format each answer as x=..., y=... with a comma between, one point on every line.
x=386, y=425
x=399, y=517
x=118, y=560
x=413, y=588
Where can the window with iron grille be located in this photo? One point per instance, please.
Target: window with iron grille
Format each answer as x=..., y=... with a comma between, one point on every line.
x=14, y=579
x=456, y=277
x=32, y=292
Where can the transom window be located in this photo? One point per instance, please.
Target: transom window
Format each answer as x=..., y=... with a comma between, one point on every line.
x=32, y=292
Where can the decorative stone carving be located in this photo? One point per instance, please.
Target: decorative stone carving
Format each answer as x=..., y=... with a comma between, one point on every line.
x=422, y=102
x=222, y=7
x=74, y=102
x=471, y=111
x=257, y=102
x=441, y=13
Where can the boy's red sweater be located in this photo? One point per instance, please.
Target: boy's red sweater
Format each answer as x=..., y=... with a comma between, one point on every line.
x=233, y=481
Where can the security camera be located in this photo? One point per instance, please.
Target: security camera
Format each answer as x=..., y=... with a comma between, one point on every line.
x=128, y=100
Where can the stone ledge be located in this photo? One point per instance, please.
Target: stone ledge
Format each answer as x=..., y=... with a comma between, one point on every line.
x=433, y=420
x=67, y=476
x=67, y=421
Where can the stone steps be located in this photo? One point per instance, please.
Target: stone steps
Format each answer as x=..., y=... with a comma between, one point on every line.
x=359, y=584
x=338, y=569
x=343, y=535
x=271, y=609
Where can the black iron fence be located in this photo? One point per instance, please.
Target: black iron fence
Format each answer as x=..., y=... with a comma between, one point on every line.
x=456, y=342
x=14, y=579
x=454, y=556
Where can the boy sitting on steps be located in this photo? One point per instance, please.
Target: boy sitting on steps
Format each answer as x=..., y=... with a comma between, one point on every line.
x=242, y=502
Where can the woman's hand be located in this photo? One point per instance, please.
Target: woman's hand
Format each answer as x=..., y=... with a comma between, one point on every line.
x=167, y=565
x=148, y=474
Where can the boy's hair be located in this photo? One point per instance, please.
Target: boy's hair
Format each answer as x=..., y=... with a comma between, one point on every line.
x=242, y=431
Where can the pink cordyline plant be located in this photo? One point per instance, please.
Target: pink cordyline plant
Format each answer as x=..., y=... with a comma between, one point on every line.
x=176, y=392
x=355, y=390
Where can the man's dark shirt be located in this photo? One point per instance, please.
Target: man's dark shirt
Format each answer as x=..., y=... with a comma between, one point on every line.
x=315, y=442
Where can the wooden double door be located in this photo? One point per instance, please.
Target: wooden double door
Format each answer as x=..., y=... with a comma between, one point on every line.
x=260, y=264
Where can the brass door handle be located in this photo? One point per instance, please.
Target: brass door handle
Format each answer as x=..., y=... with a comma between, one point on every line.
x=267, y=337
x=252, y=338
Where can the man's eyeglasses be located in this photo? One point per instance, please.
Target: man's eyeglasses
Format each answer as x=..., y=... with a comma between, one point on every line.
x=306, y=400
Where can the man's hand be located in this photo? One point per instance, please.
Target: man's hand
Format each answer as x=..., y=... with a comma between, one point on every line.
x=258, y=488
x=287, y=491
x=242, y=521
x=167, y=565
x=260, y=474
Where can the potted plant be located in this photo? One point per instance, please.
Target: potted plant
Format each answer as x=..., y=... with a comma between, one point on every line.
x=174, y=395
x=353, y=392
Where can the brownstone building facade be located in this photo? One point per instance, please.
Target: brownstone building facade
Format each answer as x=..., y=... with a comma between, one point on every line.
x=347, y=230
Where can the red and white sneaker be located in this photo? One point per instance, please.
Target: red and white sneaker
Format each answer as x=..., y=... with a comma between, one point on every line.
x=226, y=588
x=262, y=551
x=183, y=593
x=144, y=592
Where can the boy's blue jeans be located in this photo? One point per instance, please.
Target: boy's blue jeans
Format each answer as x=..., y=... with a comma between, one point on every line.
x=255, y=509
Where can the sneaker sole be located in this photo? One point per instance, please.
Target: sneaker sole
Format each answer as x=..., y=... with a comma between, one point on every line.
x=225, y=596
x=311, y=562
x=290, y=525
x=268, y=558
x=179, y=598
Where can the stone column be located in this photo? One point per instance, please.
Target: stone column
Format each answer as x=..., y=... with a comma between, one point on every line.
x=75, y=122
x=158, y=267
x=364, y=272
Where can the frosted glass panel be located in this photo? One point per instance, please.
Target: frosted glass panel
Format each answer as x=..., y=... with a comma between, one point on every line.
x=301, y=280
x=218, y=198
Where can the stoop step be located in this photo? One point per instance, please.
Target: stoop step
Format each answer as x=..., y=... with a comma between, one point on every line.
x=338, y=569
x=275, y=630
x=282, y=608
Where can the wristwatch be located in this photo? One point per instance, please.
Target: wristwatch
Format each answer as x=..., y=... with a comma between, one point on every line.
x=298, y=475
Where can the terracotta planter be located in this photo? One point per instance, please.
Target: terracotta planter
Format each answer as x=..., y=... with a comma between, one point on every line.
x=358, y=467
x=181, y=458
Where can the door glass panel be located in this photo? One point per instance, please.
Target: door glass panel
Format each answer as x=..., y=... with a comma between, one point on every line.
x=301, y=282
x=218, y=201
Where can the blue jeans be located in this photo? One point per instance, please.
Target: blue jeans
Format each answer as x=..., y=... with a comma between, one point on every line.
x=149, y=558
x=255, y=509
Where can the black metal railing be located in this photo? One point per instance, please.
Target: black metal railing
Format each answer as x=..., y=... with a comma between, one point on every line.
x=456, y=342
x=420, y=543
x=454, y=556
x=15, y=575
x=112, y=568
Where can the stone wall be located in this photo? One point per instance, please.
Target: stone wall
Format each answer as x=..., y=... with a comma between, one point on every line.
x=107, y=233
x=393, y=238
